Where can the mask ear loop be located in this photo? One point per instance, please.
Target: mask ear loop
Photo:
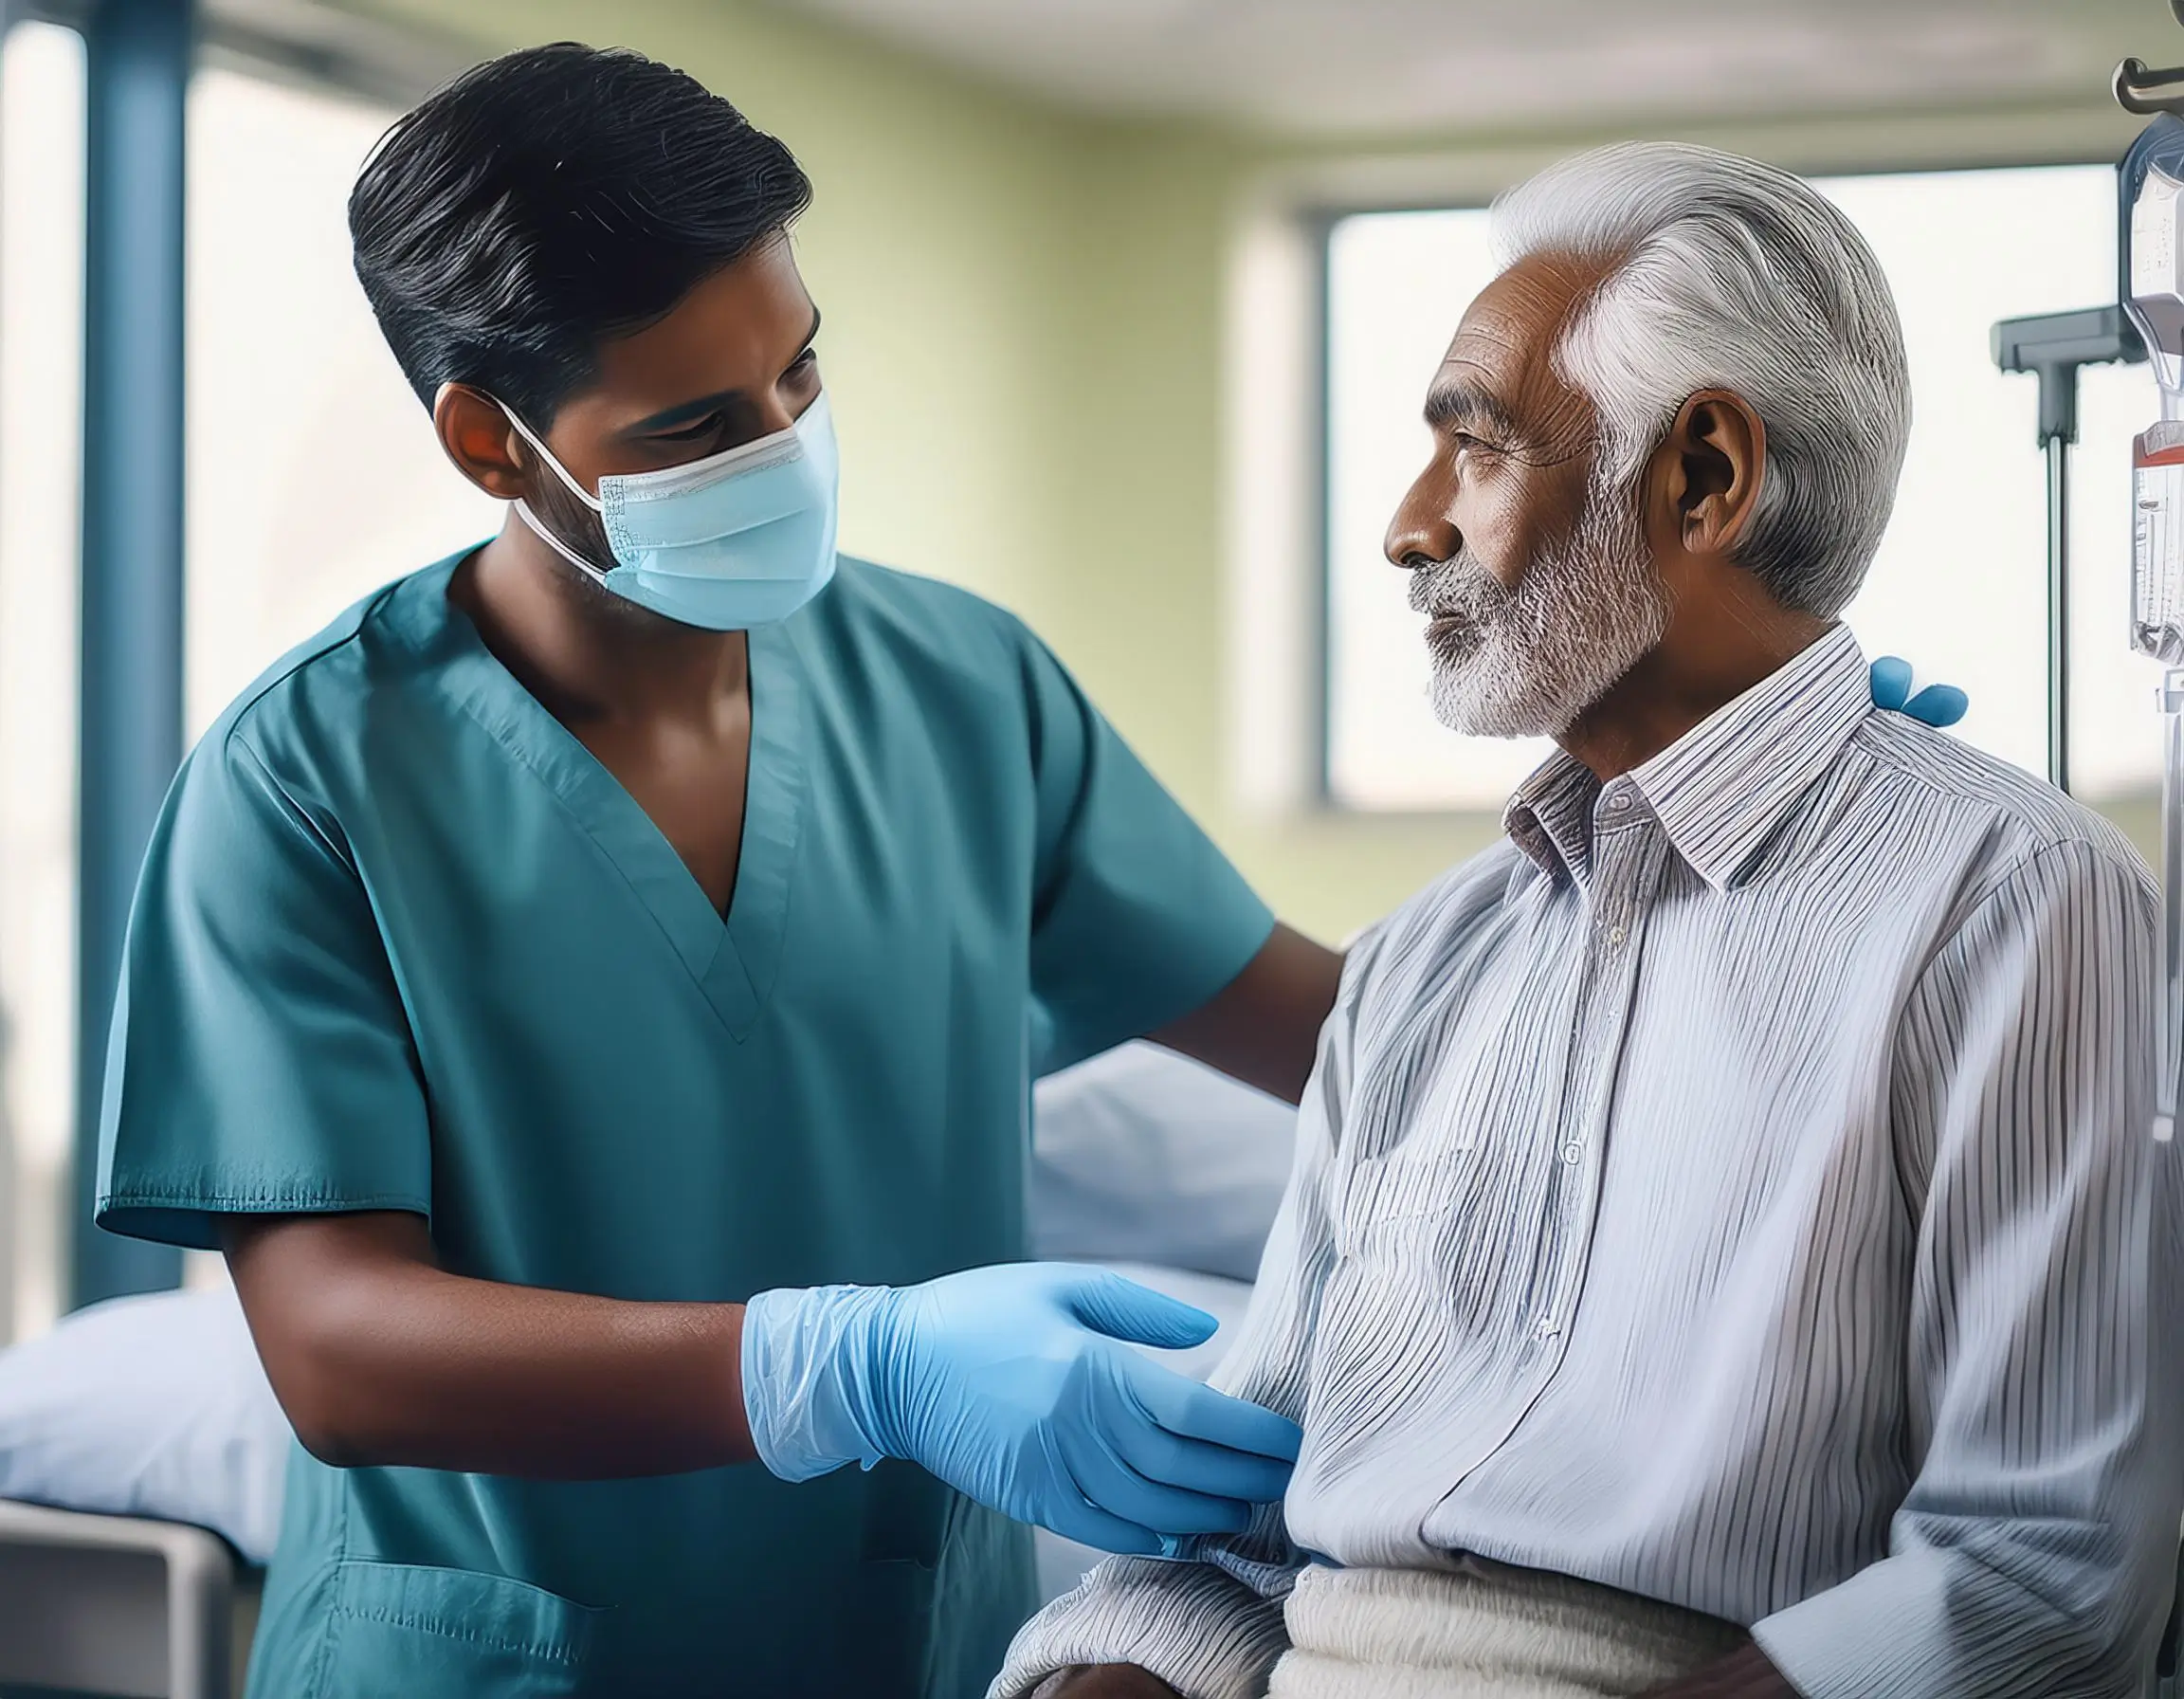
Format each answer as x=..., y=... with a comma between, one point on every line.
x=560, y=471
x=588, y=568
x=537, y=526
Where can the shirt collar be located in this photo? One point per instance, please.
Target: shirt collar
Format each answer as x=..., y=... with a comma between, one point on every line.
x=1548, y=816
x=1722, y=789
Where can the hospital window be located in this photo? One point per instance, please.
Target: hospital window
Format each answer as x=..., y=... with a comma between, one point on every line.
x=40, y=430
x=312, y=478
x=313, y=474
x=1960, y=584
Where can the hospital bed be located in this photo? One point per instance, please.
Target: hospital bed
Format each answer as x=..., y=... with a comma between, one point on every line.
x=147, y=1432
x=121, y=1605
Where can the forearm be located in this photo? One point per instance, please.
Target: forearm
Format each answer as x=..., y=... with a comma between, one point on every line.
x=2048, y=1606
x=392, y=1361
x=1263, y=1027
x=1013, y=1383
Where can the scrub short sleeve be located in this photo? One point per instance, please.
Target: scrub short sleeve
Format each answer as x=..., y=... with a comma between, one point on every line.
x=260, y=1060
x=1138, y=919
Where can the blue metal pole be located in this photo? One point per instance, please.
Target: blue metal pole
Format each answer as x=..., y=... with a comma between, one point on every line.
x=136, y=74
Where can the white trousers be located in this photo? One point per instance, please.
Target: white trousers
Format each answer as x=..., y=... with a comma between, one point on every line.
x=1484, y=1631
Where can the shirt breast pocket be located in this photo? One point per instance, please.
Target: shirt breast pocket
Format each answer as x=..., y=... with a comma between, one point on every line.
x=1418, y=1179
x=1405, y=1193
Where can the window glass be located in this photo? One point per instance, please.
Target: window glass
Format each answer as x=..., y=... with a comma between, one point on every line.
x=41, y=433
x=1959, y=585
x=313, y=474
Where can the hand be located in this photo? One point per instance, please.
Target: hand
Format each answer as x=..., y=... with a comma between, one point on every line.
x=1010, y=1383
x=1745, y=1673
x=1107, y=1681
x=1937, y=705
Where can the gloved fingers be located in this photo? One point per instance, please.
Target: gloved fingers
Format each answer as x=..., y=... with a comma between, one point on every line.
x=1891, y=681
x=1109, y=1482
x=1197, y=1465
x=1123, y=1309
x=1939, y=704
x=1073, y=1515
x=1086, y=1523
x=1246, y=1476
x=1185, y=1408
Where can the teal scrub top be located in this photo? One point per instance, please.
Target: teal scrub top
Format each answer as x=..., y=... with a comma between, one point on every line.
x=401, y=944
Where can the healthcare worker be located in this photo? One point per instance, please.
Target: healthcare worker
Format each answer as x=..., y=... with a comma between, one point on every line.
x=590, y=995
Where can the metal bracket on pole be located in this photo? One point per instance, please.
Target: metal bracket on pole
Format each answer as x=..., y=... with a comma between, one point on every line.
x=2054, y=346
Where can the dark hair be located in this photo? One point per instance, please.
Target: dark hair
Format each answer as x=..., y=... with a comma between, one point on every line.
x=548, y=200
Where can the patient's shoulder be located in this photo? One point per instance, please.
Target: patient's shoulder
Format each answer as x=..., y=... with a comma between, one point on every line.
x=1931, y=779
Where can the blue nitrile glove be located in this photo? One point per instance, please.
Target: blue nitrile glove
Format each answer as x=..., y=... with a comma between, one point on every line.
x=1011, y=1385
x=1937, y=705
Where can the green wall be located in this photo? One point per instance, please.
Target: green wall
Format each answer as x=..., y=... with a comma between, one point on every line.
x=1024, y=339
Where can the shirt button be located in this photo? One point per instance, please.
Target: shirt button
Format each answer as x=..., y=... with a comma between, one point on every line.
x=1620, y=801
x=1573, y=1153
x=1616, y=935
x=1543, y=1329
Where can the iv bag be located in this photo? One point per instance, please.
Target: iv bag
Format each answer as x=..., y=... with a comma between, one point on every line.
x=2158, y=543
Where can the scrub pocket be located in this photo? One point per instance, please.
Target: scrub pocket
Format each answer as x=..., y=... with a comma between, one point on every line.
x=403, y=1628
x=943, y=1584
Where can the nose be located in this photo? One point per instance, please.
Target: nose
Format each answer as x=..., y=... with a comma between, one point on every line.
x=776, y=413
x=1422, y=534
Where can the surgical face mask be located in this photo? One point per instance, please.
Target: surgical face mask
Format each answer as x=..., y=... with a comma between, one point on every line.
x=739, y=539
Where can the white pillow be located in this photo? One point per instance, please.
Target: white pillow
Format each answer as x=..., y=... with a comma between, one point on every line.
x=1144, y=1155
x=149, y=1406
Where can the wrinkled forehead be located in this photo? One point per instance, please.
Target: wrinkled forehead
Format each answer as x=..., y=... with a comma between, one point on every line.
x=1504, y=352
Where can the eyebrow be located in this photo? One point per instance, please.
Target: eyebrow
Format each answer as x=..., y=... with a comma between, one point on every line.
x=687, y=411
x=1454, y=401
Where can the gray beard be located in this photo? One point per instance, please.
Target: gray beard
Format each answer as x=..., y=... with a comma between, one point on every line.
x=1525, y=662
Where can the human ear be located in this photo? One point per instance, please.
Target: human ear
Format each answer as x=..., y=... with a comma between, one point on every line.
x=1717, y=449
x=477, y=437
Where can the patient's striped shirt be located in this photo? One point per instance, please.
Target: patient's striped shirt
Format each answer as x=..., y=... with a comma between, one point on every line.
x=1734, y=1188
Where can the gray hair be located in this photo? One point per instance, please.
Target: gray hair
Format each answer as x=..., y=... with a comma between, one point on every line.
x=1729, y=274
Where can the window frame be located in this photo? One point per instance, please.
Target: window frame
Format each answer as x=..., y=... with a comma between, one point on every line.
x=301, y=44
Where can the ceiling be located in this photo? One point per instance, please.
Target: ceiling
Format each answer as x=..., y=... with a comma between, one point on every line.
x=1315, y=66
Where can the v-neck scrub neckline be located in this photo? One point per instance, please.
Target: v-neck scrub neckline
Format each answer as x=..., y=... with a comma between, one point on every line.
x=734, y=961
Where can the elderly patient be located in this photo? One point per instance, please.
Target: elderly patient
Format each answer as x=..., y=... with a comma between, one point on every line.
x=1719, y=1255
